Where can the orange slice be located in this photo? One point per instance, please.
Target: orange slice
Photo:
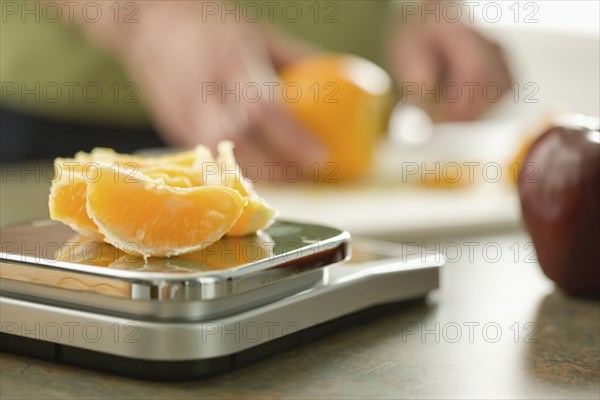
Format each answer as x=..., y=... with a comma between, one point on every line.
x=67, y=201
x=185, y=158
x=144, y=216
x=257, y=214
x=170, y=179
x=230, y=171
x=67, y=204
x=174, y=175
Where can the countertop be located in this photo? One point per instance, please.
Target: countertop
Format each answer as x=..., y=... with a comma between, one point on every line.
x=496, y=328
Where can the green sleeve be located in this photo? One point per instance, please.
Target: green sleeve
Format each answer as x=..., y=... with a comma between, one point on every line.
x=49, y=68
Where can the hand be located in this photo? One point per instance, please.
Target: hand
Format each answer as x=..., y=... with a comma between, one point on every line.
x=450, y=55
x=205, y=81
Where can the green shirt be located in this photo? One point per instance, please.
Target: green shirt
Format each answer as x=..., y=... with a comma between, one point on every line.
x=48, y=68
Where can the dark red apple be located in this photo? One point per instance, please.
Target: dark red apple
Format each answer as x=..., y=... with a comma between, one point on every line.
x=559, y=188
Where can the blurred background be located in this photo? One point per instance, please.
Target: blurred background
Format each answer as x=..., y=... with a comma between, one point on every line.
x=551, y=49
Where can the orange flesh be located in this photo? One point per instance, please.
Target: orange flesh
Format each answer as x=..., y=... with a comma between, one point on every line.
x=67, y=204
x=157, y=206
x=144, y=216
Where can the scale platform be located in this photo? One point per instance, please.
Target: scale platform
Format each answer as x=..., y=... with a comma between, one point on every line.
x=68, y=299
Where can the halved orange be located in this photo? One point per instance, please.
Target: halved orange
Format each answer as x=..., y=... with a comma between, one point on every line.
x=144, y=216
x=345, y=101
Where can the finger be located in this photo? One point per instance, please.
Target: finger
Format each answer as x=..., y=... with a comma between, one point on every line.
x=263, y=167
x=284, y=50
x=271, y=124
x=419, y=64
x=259, y=165
x=465, y=59
x=217, y=122
x=281, y=133
x=413, y=53
x=415, y=66
x=170, y=106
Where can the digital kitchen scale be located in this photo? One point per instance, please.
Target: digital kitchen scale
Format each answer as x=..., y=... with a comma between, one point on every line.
x=68, y=299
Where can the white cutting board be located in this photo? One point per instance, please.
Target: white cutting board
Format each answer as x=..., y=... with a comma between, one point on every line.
x=384, y=206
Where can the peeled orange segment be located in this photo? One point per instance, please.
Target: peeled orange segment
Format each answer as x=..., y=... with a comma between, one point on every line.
x=180, y=176
x=67, y=201
x=171, y=180
x=68, y=196
x=157, y=206
x=257, y=215
x=109, y=156
x=67, y=204
x=174, y=175
x=184, y=159
x=140, y=215
x=230, y=171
